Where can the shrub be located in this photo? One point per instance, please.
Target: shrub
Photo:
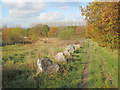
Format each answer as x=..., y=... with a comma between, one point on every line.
x=12, y=35
x=52, y=32
x=66, y=34
x=80, y=31
x=45, y=30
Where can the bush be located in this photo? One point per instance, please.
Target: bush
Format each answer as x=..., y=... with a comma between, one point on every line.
x=52, y=32
x=45, y=30
x=39, y=30
x=20, y=35
x=12, y=36
x=66, y=34
x=80, y=31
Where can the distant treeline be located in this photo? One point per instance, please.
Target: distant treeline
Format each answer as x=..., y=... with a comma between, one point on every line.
x=31, y=35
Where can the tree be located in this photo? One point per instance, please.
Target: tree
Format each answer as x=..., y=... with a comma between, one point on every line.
x=45, y=30
x=102, y=23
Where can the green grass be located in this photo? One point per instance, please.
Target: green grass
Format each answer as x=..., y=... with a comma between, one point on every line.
x=10, y=50
x=99, y=73
x=19, y=70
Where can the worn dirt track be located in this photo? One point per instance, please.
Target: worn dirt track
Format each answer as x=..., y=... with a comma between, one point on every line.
x=85, y=74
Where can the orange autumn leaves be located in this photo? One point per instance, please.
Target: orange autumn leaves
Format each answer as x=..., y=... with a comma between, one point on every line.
x=102, y=23
x=52, y=32
x=12, y=35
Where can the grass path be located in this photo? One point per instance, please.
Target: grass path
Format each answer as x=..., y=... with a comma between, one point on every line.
x=85, y=74
x=97, y=71
x=108, y=75
x=103, y=71
x=104, y=68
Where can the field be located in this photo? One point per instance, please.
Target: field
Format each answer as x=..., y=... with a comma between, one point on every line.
x=19, y=65
x=35, y=35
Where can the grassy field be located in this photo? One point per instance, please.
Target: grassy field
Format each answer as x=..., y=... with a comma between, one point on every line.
x=103, y=67
x=19, y=65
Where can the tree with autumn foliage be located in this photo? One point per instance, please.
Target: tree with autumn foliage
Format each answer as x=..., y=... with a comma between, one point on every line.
x=102, y=23
x=12, y=35
x=52, y=32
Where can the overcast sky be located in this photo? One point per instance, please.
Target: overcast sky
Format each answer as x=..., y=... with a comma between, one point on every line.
x=24, y=12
